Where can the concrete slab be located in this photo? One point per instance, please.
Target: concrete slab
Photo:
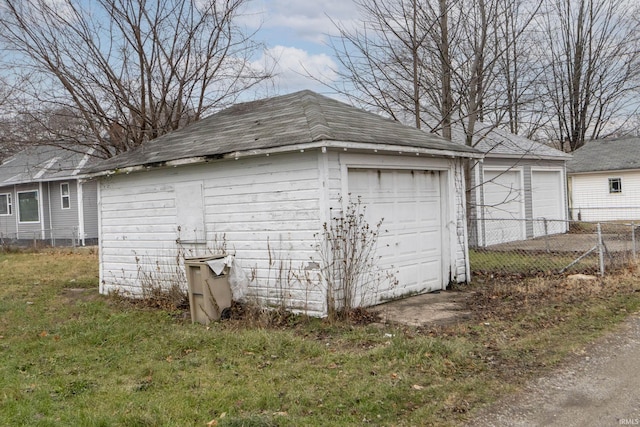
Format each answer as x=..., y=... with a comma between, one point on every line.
x=436, y=308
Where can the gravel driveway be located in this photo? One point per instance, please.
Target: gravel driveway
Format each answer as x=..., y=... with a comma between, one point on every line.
x=598, y=387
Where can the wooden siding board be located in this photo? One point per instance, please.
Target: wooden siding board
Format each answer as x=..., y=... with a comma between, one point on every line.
x=266, y=203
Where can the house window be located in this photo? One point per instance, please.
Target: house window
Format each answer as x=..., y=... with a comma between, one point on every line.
x=66, y=197
x=615, y=185
x=5, y=204
x=28, y=208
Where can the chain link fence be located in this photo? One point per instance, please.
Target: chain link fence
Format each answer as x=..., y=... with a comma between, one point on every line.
x=561, y=247
x=604, y=212
x=51, y=237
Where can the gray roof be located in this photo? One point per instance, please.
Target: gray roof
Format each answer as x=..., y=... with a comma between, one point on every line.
x=284, y=121
x=41, y=163
x=496, y=142
x=606, y=155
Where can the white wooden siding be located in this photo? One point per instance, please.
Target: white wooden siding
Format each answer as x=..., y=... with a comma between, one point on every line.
x=591, y=200
x=265, y=207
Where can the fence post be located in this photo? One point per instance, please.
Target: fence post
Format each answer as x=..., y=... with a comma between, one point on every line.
x=546, y=235
x=633, y=240
x=600, y=250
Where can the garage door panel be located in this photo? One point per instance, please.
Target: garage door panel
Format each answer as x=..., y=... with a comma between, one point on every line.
x=410, y=240
x=547, y=196
x=503, y=207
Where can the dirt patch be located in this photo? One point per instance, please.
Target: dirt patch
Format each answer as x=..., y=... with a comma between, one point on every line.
x=73, y=295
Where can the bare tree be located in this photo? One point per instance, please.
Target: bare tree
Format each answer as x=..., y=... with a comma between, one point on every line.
x=594, y=61
x=127, y=71
x=441, y=62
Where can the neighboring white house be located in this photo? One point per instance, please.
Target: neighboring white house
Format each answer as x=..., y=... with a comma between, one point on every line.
x=264, y=177
x=43, y=198
x=604, y=180
x=518, y=191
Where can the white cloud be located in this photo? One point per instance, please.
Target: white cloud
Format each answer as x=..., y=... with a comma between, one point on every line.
x=296, y=69
x=310, y=21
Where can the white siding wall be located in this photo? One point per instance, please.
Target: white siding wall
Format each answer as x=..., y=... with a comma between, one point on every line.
x=591, y=200
x=266, y=208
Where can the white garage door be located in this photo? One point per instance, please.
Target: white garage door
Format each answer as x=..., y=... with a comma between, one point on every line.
x=548, y=202
x=410, y=242
x=503, y=207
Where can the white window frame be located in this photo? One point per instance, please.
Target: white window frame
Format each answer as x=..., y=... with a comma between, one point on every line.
x=65, y=196
x=611, y=189
x=9, y=204
x=37, y=199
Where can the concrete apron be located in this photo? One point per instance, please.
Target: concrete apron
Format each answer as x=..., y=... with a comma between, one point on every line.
x=436, y=308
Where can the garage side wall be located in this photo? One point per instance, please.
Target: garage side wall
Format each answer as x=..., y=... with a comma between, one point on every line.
x=265, y=210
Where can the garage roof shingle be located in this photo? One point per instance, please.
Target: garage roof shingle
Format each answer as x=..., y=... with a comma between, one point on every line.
x=287, y=120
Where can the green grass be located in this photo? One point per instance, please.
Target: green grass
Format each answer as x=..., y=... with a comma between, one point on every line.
x=77, y=358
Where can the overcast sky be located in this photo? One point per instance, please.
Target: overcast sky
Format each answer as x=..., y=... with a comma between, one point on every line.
x=296, y=34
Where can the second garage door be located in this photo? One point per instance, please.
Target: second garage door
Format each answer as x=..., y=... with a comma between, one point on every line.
x=410, y=242
x=503, y=207
x=547, y=194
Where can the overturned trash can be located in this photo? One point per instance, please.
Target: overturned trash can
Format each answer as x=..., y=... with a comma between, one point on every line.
x=209, y=290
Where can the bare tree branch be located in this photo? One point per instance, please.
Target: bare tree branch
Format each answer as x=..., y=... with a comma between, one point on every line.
x=127, y=71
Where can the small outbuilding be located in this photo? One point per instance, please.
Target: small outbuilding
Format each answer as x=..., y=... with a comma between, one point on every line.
x=261, y=180
x=518, y=191
x=604, y=180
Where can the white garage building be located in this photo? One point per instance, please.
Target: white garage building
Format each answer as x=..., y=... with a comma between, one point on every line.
x=265, y=176
x=518, y=190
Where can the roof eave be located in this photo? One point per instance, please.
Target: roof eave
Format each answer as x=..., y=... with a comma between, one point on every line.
x=388, y=148
x=602, y=171
x=39, y=180
x=526, y=156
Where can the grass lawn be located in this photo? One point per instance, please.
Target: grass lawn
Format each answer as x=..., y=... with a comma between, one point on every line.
x=73, y=357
